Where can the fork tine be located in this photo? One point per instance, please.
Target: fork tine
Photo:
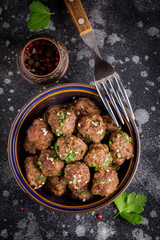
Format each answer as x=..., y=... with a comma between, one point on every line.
x=122, y=106
x=106, y=103
x=124, y=94
x=113, y=101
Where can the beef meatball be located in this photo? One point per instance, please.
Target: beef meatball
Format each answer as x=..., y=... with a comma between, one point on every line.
x=121, y=146
x=39, y=135
x=62, y=119
x=34, y=176
x=92, y=128
x=105, y=182
x=29, y=147
x=49, y=163
x=83, y=194
x=110, y=125
x=98, y=156
x=56, y=185
x=84, y=106
x=77, y=175
x=71, y=148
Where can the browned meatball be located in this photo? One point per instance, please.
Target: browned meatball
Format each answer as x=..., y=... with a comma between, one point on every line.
x=77, y=175
x=105, y=182
x=98, y=156
x=71, y=148
x=62, y=119
x=29, y=147
x=56, y=185
x=34, y=176
x=109, y=124
x=83, y=194
x=39, y=134
x=84, y=106
x=121, y=146
x=92, y=128
x=49, y=163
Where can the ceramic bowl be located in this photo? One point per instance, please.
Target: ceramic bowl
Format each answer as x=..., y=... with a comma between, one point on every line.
x=55, y=75
x=35, y=108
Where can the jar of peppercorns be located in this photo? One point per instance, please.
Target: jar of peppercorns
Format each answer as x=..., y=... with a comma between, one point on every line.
x=42, y=59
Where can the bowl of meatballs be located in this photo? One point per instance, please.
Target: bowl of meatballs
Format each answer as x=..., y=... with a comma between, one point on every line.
x=66, y=152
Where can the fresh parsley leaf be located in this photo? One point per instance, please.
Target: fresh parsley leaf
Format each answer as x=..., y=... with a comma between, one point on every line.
x=130, y=206
x=74, y=181
x=58, y=174
x=110, y=142
x=101, y=182
x=40, y=16
x=95, y=166
x=86, y=193
x=39, y=178
x=62, y=116
x=59, y=132
x=130, y=139
x=123, y=134
x=118, y=155
x=40, y=165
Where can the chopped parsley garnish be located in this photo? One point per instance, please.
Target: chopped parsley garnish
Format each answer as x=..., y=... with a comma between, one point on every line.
x=100, y=124
x=121, y=144
x=44, y=178
x=101, y=182
x=118, y=155
x=130, y=139
x=62, y=125
x=83, y=152
x=106, y=161
x=59, y=132
x=66, y=120
x=123, y=134
x=67, y=149
x=103, y=134
x=39, y=178
x=110, y=142
x=40, y=165
x=74, y=181
x=112, y=179
x=90, y=137
x=56, y=146
x=95, y=166
x=58, y=174
x=94, y=120
x=127, y=141
x=86, y=193
x=70, y=156
x=61, y=116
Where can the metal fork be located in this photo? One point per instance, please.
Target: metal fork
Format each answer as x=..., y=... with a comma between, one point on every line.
x=107, y=80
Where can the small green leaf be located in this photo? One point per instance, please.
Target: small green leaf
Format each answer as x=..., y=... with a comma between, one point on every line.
x=86, y=193
x=118, y=155
x=95, y=166
x=40, y=16
x=130, y=139
x=123, y=134
x=59, y=132
x=39, y=178
x=58, y=174
x=101, y=182
x=74, y=181
x=110, y=142
x=100, y=124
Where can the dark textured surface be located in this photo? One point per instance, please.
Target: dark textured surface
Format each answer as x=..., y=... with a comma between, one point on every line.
x=128, y=34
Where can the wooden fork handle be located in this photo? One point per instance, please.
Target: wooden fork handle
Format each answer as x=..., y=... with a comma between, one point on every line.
x=79, y=16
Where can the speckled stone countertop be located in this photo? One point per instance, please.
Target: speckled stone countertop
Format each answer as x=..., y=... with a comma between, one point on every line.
x=128, y=35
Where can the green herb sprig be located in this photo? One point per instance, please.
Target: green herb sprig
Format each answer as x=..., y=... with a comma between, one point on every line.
x=130, y=206
x=39, y=17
